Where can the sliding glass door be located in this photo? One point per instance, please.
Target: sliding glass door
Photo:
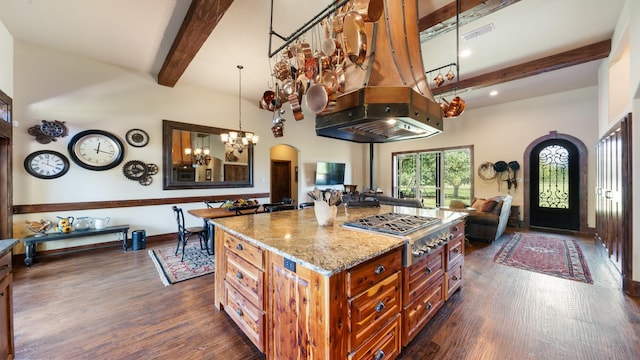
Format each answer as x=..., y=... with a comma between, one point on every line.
x=434, y=176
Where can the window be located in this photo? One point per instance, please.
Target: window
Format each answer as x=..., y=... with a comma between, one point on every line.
x=434, y=176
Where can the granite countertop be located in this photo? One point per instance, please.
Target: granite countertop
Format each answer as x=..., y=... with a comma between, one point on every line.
x=327, y=250
x=7, y=245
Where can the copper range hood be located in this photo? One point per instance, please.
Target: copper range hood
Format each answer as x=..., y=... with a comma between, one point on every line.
x=387, y=98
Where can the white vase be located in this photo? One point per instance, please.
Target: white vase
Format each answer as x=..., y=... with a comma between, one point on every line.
x=325, y=213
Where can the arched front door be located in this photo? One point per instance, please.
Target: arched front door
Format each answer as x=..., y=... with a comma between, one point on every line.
x=555, y=185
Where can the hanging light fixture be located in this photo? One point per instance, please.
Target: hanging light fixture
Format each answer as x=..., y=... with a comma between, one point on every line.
x=239, y=140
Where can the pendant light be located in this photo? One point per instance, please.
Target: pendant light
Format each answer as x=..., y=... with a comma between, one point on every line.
x=239, y=140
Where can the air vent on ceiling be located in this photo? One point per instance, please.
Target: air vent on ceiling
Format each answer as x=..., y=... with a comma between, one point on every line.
x=477, y=32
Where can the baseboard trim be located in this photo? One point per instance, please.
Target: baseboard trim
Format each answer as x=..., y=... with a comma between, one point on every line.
x=631, y=287
x=18, y=259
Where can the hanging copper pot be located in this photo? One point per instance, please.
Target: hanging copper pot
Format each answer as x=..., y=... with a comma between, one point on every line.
x=355, y=39
x=370, y=10
x=282, y=70
x=267, y=102
x=454, y=108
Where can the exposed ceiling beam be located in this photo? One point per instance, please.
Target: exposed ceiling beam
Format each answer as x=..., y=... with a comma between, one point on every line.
x=200, y=20
x=565, y=59
x=445, y=13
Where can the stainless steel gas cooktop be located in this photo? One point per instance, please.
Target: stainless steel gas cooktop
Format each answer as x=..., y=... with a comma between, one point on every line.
x=393, y=223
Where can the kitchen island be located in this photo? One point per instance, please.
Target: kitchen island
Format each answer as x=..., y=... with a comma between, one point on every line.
x=300, y=290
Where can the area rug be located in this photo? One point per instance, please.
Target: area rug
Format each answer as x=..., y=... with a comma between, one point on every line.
x=545, y=254
x=171, y=270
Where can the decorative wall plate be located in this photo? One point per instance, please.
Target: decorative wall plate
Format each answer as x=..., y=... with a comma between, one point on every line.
x=137, y=138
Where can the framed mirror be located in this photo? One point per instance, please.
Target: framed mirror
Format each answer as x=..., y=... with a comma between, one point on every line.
x=194, y=157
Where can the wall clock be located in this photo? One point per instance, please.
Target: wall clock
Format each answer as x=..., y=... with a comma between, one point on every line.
x=46, y=164
x=137, y=137
x=96, y=150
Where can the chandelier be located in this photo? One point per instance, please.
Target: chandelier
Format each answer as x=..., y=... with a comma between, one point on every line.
x=239, y=140
x=199, y=155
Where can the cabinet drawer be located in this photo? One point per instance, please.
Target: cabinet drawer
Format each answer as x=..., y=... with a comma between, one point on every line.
x=454, y=278
x=245, y=250
x=422, y=274
x=455, y=251
x=457, y=230
x=373, y=308
x=245, y=277
x=5, y=265
x=365, y=275
x=249, y=318
x=384, y=346
x=419, y=312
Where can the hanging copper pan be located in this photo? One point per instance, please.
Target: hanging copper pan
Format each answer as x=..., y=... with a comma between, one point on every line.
x=371, y=10
x=355, y=39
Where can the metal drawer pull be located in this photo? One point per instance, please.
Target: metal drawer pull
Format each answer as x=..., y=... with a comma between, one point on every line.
x=428, y=270
x=455, y=278
x=379, y=269
x=379, y=355
x=239, y=312
x=456, y=250
x=239, y=275
x=429, y=306
x=455, y=228
x=239, y=247
x=379, y=306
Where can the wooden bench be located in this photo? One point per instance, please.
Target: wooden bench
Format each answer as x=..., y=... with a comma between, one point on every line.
x=31, y=241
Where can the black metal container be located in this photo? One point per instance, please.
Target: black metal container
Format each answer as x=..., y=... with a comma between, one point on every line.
x=138, y=240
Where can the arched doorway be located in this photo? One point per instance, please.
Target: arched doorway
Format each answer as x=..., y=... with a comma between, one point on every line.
x=284, y=172
x=555, y=173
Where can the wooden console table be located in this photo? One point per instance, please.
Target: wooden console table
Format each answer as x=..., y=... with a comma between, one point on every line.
x=31, y=240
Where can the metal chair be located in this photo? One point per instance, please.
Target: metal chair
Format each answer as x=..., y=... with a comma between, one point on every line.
x=185, y=233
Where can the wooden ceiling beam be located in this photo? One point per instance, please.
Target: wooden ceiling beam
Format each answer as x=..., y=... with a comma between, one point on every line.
x=445, y=13
x=201, y=18
x=596, y=51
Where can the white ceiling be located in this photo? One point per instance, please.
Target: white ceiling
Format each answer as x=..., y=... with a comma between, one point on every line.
x=138, y=34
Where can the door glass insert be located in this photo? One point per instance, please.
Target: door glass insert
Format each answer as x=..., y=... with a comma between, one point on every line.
x=553, y=177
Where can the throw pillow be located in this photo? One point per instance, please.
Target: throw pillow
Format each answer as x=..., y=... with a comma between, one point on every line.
x=477, y=204
x=489, y=205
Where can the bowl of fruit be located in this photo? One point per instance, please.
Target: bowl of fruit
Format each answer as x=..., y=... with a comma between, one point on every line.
x=240, y=204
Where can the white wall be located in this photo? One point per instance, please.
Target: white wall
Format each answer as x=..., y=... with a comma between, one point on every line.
x=85, y=94
x=503, y=132
x=6, y=61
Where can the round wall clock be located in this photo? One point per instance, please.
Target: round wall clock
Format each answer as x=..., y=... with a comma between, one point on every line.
x=96, y=150
x=46, y=164
x=137, y=137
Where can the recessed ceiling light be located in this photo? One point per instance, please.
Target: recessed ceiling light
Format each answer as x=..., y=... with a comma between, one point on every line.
x=493, y=93
x=465, y=53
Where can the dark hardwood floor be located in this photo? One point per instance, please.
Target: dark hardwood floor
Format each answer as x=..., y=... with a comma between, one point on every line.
x=107, y=304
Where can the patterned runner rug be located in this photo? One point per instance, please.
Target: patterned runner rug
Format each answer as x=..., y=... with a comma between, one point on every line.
x=545, y=254
x=171, y=270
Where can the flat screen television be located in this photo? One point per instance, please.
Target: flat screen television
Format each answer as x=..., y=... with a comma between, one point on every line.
x=329, y=173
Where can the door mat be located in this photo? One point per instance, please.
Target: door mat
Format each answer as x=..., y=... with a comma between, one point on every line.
x=171, y=270
x=546, y=255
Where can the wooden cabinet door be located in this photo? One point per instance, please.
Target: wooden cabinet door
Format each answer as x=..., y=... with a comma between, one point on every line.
x=305, y=311
x=6, y=318
x=613, y=196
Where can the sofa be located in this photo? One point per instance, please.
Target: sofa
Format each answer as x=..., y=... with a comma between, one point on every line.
x=489, y=220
